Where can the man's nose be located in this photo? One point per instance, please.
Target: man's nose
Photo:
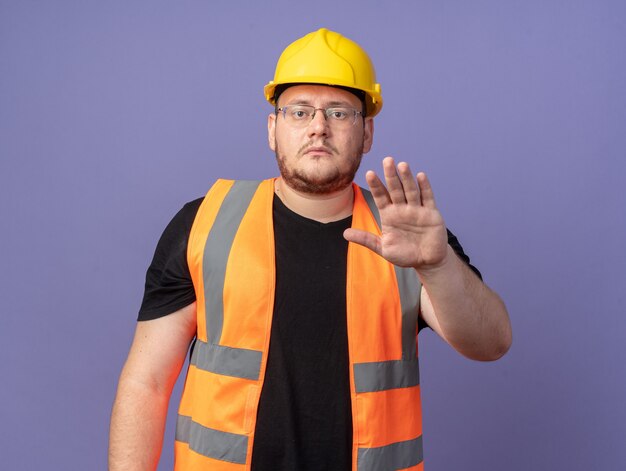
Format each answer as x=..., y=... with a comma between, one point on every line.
x=319, y=123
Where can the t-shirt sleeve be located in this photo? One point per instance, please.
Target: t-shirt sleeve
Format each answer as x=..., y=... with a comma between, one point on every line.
x=456, y=246
x=168, y=281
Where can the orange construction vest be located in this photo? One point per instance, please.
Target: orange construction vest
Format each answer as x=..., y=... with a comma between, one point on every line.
x=231, y=259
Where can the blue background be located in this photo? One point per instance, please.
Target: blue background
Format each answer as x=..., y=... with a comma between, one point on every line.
x=114, y=114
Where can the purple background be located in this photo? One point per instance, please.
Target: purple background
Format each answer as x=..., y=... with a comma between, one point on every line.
x=114, y=114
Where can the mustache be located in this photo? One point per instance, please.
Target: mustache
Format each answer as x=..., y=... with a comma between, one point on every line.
x=310, y=144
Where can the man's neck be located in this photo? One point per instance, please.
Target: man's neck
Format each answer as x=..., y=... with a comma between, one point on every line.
x=322, y=208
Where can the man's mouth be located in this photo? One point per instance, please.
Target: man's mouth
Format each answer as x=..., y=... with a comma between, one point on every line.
x=318, y=150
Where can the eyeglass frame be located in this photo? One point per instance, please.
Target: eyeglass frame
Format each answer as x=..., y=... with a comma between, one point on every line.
x=325, y=110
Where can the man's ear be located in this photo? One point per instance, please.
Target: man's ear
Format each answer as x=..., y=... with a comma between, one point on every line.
x=368, y=134
x=271, y=131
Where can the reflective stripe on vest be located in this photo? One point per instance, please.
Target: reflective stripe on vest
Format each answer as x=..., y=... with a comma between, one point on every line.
x=409, y=296
x=217, y=250
x=211, y=443
x=228, y=361
x=400, y=455
x=215, y=427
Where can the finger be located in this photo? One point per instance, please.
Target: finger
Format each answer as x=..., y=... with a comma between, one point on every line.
x=394, y=185
x=411, y=189
x=428, y=197
x=364, y=238
x=379, y=192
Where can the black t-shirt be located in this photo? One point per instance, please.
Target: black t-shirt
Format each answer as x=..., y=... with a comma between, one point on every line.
x=304, y=420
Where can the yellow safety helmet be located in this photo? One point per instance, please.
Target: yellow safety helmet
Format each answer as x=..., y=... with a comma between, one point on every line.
x=327, y=58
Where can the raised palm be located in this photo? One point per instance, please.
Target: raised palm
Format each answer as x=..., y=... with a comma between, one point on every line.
x=413, y=230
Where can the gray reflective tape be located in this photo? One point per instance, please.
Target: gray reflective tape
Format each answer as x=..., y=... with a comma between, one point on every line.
x=183, y=428
x=223, y=446
x=229, y=361
x=369, y=198
x=392, y=457
x=384, y=375
x=217, y=250
x=409, y=288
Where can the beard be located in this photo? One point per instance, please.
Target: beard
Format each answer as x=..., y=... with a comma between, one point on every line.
x=318, y=184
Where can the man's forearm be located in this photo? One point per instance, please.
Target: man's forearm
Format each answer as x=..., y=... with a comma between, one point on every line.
x=137, y=426
x=472, y=318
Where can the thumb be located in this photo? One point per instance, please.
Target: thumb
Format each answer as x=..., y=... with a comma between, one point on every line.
x=364, y=238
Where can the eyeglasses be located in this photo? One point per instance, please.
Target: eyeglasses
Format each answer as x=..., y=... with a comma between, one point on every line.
x=337, y=116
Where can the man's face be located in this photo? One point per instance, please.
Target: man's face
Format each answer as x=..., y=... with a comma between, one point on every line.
x=318, y=158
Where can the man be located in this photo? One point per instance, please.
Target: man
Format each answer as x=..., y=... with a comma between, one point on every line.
x=301, y=295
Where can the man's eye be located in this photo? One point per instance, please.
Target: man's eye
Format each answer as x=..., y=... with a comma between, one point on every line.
x=339, y=115
x=299, y=114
